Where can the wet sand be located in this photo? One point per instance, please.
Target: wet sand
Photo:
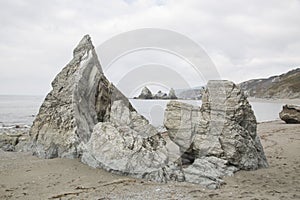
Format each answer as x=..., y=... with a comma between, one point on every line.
x=23, y=176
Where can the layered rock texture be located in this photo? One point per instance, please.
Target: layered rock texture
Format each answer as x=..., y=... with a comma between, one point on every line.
x=87, y=117
x=290, y=114
x=80, y=98
x=217, y=139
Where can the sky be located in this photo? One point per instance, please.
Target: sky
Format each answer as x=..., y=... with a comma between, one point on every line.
x=244, y=39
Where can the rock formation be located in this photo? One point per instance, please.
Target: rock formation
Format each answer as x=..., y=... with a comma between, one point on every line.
x=81, y=96
x=87, y=117
x=160, y=95
x=13, y=138
x=145, y=94
x=217, y=139
x=172, y=94
x=290, y=114
x=128, y=144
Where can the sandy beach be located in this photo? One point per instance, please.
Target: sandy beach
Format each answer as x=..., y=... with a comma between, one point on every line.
x=23, y=176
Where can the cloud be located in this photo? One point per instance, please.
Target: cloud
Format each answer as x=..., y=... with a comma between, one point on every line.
x=244, y=39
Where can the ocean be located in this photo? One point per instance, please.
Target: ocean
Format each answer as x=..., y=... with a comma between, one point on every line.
x=21, y=110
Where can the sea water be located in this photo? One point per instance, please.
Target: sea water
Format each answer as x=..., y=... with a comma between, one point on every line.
x=18, y=109
x=153, y=110
x=21, y=110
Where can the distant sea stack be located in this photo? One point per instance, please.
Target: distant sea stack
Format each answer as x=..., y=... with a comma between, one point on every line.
x=147, y=94
x=285, y=86
x=172, y=94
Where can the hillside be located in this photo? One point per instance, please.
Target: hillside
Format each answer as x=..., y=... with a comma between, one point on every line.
x=194, y=93
x=284, y=86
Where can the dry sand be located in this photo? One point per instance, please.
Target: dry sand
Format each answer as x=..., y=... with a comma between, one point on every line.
x=23, y=176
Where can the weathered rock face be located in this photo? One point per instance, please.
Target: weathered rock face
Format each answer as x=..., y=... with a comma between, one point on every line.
x=80, y=98
x=290, y=114
x=145, y=94
x=223, y=130
x=66, y=116
x=87, y=117
x=128, y=144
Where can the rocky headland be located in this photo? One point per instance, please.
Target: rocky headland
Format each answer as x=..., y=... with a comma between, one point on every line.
x=284, y=86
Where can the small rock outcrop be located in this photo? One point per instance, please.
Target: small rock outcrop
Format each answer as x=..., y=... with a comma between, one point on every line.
x=172, y=94
x=87, y=117
x=145, y=94
x=160, y=95
x=13, y=138
x=290, y=114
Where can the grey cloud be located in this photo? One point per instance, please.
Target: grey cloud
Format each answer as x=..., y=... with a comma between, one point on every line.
x=245, y=39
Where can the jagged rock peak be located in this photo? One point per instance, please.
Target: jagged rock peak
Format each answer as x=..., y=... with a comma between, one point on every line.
x=172, y=94
x=68, y=113
x=145, y=94
x=84, y=45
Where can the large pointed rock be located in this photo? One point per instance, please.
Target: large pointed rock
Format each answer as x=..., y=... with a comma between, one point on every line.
x=80, y=98
x=85, y=116
x=145, y=94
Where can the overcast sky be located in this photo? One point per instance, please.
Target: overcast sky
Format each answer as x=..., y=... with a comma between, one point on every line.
x=244, y=39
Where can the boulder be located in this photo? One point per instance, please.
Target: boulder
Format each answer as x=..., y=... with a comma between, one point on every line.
x=145, y=94
x=223, y=129
x=290, y=114
x=128, y=144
